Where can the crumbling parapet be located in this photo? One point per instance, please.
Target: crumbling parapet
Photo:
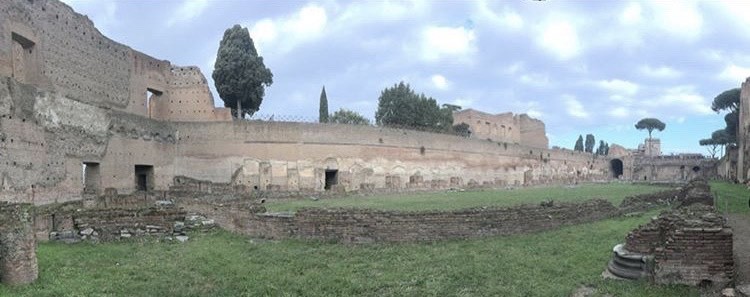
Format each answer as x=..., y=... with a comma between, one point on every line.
x=18, y=263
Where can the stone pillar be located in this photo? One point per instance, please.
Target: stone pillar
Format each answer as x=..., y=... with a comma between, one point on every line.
x=18, y=264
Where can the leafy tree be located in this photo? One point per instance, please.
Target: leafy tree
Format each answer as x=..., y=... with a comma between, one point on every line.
x=590, y=142
x=323, y=109
x=239, y=73
x=344, y=116
x=462, y=129
x=579, y=144
x=711, y=145
x=650, y=124
x=729, y=100
x=606, y=149
x=400, y=106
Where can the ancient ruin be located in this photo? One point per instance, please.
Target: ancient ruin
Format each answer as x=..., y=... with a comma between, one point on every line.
x=690, y=244
x=108, y=142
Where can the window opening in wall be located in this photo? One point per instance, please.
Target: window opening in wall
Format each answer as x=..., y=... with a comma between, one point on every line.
x=144, y=177
x=91, y=177
x=696, y=169
x=151, y=95
x=331, y=178
x=21, y=53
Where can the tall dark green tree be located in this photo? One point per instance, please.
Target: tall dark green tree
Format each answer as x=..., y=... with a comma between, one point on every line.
x=323, y=109
x=602, y=149
x=345, y=116
x=400, y=106
x=650, y=124
x=579, y=144
x=729, y=100
x=239, y=73
x=590, y=143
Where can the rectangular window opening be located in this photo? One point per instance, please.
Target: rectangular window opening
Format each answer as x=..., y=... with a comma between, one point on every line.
x=144, y=177
x=91, y=177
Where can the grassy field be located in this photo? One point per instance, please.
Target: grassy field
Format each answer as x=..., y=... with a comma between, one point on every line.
x=614, y=192
x=732, y=198
x=551, y=263
x=222, y=264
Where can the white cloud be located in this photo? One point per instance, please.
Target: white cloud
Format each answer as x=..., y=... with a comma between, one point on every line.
x=574, y=107
x=440, y=42
x=188, y=10
x=632, y=14
x=684, y=97
x=508, y=18
x=681, y=18
x=619, y=112
x=286, y=33
x=618, y=86
x=439, y=81
x=513, y=68
x=735, y=74
x=661, y=72
x=535, y=79
x=560, y=38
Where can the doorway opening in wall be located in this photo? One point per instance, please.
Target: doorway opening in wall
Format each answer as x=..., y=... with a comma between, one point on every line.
x=616, y=168
x=144, y=177
x=332, y=178
x=151, y=95
x=91, y=177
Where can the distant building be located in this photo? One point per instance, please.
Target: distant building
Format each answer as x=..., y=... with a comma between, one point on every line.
x=503, y=127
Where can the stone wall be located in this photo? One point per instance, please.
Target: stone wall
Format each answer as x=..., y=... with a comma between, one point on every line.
x=690, y=245
x=18, y=263
x=362, y=225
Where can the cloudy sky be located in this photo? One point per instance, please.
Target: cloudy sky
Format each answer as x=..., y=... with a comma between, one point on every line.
x=580, y=66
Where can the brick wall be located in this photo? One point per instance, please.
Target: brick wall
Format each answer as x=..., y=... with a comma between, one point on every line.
x=690, y=245
x=362, y=225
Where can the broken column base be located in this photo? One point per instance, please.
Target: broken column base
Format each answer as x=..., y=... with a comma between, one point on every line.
x=629, y=265
x=18, y=263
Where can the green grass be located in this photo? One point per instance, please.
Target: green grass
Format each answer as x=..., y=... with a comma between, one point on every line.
x=222, y=264
x=613, y=192
x=732, y=198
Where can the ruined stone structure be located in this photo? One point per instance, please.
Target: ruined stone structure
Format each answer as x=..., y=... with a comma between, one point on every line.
x=651, y=147
x=18, y=264
x=365, y=225
x=80, y=113
x=639, y=166
x=690, y=244
x=504, y=127
x=743, y=134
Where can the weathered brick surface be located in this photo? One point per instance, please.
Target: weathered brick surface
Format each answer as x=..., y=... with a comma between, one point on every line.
x=362, y=225
x=648, y=201
x=113, y=223
x=691, y=245
x=18, y=263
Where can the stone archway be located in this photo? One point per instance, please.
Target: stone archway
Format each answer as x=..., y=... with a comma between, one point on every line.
x=616, y=167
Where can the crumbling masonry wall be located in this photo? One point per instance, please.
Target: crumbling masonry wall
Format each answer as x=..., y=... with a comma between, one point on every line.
x=18, y=263
x=690, y=245
x=363, y=225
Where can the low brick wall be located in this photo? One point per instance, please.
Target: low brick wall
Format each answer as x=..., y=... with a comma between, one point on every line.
x=690, y=245
x=112, y=224
x=648, y=201
x=18, y=263
x=363, y=225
